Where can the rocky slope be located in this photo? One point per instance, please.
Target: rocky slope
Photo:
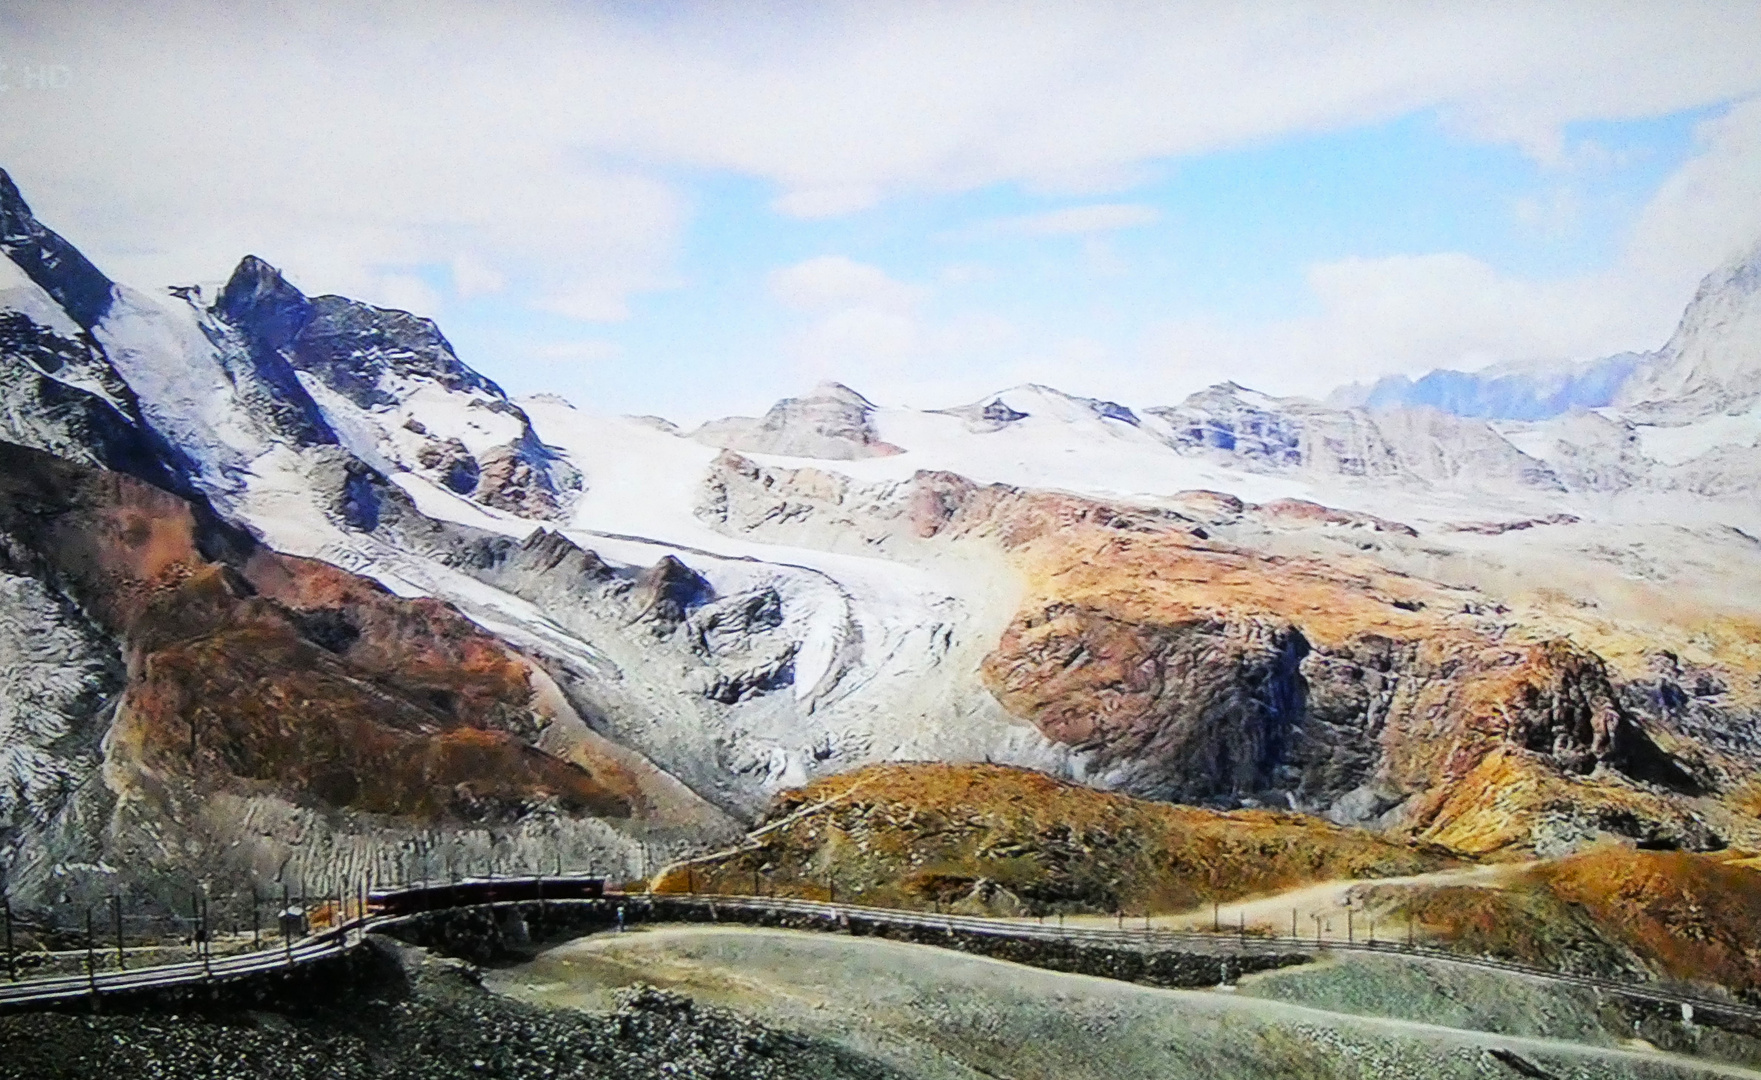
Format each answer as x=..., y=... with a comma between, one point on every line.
x=1497, y=637
x=233, y=685
x=1674, y=916
x=1175, y=659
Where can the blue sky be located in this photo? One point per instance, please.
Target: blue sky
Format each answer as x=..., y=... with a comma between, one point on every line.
x=678, y=210
x=1226, y=236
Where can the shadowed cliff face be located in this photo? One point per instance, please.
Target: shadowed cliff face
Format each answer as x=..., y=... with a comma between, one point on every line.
x=254, y=672
x=1193, y=670
x=1214, y=705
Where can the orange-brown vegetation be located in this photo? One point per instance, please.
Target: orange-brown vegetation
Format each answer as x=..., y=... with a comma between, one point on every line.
x=1011, y=841
x=1195, y=669
x=1677, y=915
x=256, y=672
x=1690, y=916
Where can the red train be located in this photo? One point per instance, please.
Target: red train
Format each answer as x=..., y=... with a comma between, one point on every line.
x=414, y=898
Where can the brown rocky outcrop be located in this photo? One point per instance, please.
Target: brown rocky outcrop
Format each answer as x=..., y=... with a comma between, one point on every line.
x=254, y=672
x=1213, y=704
x=1186, y=667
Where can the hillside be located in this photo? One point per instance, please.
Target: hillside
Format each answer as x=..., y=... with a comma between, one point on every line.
x=991, y=839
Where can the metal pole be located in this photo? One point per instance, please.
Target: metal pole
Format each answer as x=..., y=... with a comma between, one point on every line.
x=281, y=917
x=1215, y=926
x=91, y=957
x=1348, y=932
x=1292, y=924
x=116, y=908
x=207, y=965
x=256, y=920
x=11, y=961
x=1241, y=926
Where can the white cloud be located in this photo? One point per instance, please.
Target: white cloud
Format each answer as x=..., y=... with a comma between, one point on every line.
x=585, y=350
x=1413, y=313
x=405, y=292
x=472, y=278
x=544, y=148
x=869, y=329
x=1080, y=220
x=1709, y=210
x=530, y=128
x=837, y=282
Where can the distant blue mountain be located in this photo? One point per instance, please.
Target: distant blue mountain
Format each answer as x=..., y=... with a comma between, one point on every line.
x=1501, y=396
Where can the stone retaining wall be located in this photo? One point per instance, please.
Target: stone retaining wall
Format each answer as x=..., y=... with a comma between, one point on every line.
x=511, y=931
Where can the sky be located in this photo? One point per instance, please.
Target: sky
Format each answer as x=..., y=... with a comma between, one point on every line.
x=693, y=209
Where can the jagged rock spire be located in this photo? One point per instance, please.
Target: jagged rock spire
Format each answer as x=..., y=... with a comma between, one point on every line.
x=55, y=265
x=259, y=300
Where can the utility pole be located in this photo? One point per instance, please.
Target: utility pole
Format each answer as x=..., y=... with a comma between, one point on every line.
x=11, y=962
x=91, y=957
x=207, y=964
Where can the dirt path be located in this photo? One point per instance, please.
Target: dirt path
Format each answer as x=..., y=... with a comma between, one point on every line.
x=1319, y=908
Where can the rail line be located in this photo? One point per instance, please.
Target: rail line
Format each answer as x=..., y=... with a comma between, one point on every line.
x=391, y=907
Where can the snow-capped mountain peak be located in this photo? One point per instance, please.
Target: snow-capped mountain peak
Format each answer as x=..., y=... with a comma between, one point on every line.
x=81, y=290
x=1712, y=363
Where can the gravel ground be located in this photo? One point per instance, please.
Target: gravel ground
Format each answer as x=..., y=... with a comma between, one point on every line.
x=425, y=1018
x=939, y=1015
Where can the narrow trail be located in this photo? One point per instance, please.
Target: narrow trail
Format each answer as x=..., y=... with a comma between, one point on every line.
x=1318, y=907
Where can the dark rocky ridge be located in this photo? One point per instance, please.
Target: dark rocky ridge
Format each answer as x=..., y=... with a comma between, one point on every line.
x=53, y=263
x=270, y=314
x=50, y=413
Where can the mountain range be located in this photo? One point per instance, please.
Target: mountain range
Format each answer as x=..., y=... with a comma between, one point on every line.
x=292, y=590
